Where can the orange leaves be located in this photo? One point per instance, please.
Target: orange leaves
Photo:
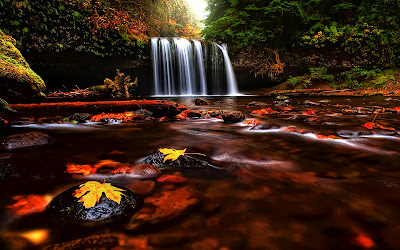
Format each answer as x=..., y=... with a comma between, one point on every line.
x=91, y=192
x=73, y=168
x=368, y=125
x=267, y=111
x=108, y=165
x=309, y=112
x=28, y=204
x=120, y=117
x=171, y=154
x=252, y=122
x=328, y=137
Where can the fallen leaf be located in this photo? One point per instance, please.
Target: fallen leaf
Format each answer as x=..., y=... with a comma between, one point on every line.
x=29, y=204
x=171, y=154
x=252, y=122
x=91, y=192
x=73, y=168
x=364, y=241
x=121, y=170
x=267, y=111
x=309, y=112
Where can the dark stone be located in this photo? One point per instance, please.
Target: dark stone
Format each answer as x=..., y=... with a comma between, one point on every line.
x=24, y=141
x=67, y=209
x=184, y=161
x=92, y=242
x=310, y=103
x=10, y=166
x=80, y=117
x=144, y=112
x=145, y=170
x=215, y=113
x=257, y=104
x=325, y=101
x=201, y=101
x=233, y=117
x=282, y=98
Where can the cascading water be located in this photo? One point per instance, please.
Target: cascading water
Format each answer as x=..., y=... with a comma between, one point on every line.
x=181, y=67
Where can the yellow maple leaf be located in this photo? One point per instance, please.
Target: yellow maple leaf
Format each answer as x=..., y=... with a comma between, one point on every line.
x=171, y=154
x=91, y=192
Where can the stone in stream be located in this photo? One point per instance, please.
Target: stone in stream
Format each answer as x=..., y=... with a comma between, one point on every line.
x=257, y=104
x=163, y=207
x=11, y=166
x=201, y=102
x=92, y=242
x=67, y=209
x=145, y=170
x=310, y=103
x=80, y=117
x=183, y=161
x=233, y=117
x=25, y=141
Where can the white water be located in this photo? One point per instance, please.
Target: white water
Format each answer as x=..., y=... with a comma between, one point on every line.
x=230, y=74
x=180, y=68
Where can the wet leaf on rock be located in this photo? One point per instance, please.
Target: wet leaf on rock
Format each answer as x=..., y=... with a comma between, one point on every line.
x=171, y=154
x=91, y=192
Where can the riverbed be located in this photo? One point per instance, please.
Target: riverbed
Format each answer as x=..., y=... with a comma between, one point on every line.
x=305, y=173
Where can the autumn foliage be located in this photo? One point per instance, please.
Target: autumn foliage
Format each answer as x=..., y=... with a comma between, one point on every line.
x=90, y=193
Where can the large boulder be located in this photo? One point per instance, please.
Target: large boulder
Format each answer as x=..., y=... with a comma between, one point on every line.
x=15, y=73
x=68, y=208
x=25, y=141
x=233, y=117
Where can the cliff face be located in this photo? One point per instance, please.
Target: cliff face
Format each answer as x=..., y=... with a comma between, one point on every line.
x=15, y=73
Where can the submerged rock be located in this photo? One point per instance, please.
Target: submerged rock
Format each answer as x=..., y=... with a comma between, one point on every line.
x=201, y=101
x=24, y=141
x=145, y=170
x=233, y=117
x=66, y=208
x=11, y=166
x=164, y=207
x=184, y=161
x=92, y=242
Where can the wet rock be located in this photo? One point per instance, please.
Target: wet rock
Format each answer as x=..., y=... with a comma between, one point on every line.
x=310, y=103
x=80, y=117
x=184, y=161
x=257, y=104
x=233, y=117
x=294, y=117
x=330, y=124
x=215, y=113
x=66, y=208
x=10, y=166
x=172, y=179
x=201, y=102
x=144, y=112
x=163, y=207
x=325, y=102
x=24, y=141
x=142, y=187
x=145, y=170
x=92, y=242
x=282, y=98
x=189, y=114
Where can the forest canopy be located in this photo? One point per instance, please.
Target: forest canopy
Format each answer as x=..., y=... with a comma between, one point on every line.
x=102, y=27
x=366, y=30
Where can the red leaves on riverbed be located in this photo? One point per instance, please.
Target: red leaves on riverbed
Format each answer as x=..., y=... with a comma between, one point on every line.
x=267, y=111
x=374, y=125
x=106, y=165
x=252, y=122
x=120, y=117
x=29, y=204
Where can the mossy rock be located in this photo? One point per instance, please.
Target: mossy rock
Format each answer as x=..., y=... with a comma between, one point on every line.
x=4, y=106
x=15, y=72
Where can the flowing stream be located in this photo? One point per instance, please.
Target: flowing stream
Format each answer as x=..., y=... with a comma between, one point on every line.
x=308, y=177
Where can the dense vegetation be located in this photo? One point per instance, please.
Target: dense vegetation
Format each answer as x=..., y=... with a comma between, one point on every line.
x=346, y=33
x=102, y=27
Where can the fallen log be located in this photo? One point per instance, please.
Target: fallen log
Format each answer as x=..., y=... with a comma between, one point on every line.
x=159, y=108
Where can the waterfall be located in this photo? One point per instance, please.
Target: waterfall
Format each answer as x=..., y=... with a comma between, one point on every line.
x=230, y=74
x=183, y=67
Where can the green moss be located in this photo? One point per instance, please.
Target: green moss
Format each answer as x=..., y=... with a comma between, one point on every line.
x=15, y=71
x=4, y=106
